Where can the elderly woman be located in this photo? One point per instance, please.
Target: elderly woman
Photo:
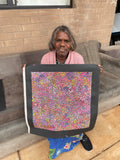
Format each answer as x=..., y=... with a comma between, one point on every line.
x=62, y=46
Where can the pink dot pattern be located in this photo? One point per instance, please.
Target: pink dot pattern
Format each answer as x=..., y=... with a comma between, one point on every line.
x=61, y=100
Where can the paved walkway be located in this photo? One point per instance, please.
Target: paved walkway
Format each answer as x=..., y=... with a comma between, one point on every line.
x=105, y=138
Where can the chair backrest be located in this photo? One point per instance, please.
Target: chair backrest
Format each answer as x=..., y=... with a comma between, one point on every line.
x=10, y=75
x=33, y=57
x=90, y=51
x=11, y=85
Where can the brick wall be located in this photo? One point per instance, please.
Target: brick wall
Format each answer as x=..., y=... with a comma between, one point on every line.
x=30, y=29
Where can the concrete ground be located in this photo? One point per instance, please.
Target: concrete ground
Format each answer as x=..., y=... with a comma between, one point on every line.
x=105, y=138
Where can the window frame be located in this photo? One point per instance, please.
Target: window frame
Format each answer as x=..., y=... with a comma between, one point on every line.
x=11, y=5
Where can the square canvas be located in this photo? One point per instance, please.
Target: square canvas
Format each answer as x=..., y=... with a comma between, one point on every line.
x=60, y=100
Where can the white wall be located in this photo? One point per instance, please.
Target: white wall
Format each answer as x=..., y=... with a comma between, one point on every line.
x=116, y=25
x=3, y=1
x=43, y=2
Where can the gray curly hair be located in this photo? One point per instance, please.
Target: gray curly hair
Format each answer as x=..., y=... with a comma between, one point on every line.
x=68, y=32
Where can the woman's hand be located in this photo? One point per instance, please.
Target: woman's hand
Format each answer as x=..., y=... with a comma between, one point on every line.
x=101, y=68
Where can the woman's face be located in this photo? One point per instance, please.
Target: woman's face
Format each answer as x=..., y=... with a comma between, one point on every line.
x=62, y=43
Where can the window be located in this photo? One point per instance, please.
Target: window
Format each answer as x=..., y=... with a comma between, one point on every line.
x=14, y=4
x=115, y=36
x=2, y=96
x=118, y=7
x=3, y=2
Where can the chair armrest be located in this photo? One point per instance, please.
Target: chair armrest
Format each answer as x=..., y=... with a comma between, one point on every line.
x=110, y=64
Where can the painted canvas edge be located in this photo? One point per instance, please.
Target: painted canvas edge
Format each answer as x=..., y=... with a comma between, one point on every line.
x=25, y=98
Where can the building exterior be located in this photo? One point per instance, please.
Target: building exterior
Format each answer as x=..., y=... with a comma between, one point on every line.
x=24, y=30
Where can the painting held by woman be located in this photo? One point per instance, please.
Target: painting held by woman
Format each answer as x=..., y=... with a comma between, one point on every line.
x=62, y=47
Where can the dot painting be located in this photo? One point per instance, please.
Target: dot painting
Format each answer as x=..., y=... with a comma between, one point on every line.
x=61, y=101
